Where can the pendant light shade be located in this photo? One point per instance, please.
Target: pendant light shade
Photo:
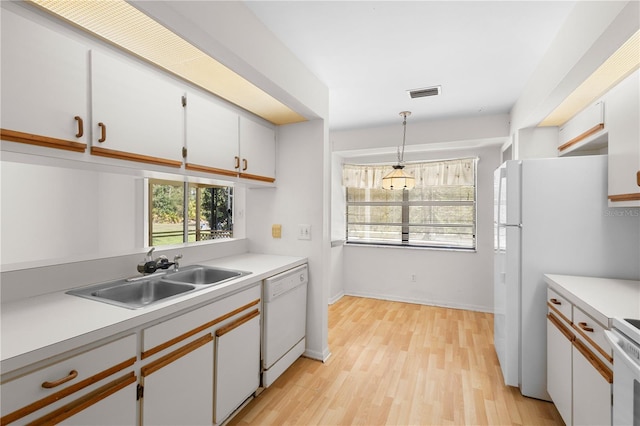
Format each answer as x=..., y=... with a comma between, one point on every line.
x=398, y=178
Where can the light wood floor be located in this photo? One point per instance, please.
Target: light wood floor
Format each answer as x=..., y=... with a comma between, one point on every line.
x=399, y=364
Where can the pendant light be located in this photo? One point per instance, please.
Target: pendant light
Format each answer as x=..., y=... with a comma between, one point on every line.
x=398, y=178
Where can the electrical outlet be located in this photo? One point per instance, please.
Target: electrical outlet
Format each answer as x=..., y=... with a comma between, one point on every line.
x=304, y=232
x=413, y=278
x=276, y=231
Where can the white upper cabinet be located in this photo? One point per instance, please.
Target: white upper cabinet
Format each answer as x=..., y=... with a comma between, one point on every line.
x=623, y=123
x=44, y=86
x=212, y=136
x=584, y=131
x=137, y=112
x=257, y=151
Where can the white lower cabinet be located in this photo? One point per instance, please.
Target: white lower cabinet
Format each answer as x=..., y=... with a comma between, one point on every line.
x=178, y=388
x=186, y=358
x=237, y=364
x=579, y=364
x=95, y=386
x=591, y=393
x=559, y=359
x=162, y=373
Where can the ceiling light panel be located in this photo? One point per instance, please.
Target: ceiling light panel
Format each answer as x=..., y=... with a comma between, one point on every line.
x=622, y=63
x=121, y=24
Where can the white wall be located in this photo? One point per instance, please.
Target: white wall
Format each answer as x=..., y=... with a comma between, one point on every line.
x=537, y=142
x=56, y=213
x=443, y=278
x=301, y=197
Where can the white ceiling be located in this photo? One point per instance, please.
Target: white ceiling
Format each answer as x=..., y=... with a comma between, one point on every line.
x=369, y=54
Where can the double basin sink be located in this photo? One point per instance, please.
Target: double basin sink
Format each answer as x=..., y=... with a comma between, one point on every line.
x=135, y=293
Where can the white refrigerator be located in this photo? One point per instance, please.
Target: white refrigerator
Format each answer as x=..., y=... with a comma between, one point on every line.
x=551, y=217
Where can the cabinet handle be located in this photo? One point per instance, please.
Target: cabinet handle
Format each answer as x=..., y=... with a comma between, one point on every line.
x=103, y=132
x=80, y=126
x=555, y=301
x=245, y=164
x=237, y=162
x=583, y=325
x=72, y=375
x=638, y=177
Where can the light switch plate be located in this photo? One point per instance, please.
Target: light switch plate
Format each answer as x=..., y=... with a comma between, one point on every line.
x=304, y=232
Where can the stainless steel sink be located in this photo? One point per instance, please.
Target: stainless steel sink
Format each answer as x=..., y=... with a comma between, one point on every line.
x=203, y=275
x=143, y=291
x=133, y=295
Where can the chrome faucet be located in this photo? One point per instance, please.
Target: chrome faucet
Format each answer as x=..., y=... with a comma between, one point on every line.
x=151, y=265
x=148, y=266
x=176, y=265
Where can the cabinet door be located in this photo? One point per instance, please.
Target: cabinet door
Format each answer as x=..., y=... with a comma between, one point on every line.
x=44, y=85
x=178, y=388
x=212, y=136
x=137, y=113
x=257, y=151
x=591, y=391
x=237, y=364
x=623, y=121
x=88, y=381
x=559, y=366
x=118, y=408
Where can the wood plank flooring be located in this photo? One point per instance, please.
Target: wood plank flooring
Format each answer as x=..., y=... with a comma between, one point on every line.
x=397, y=363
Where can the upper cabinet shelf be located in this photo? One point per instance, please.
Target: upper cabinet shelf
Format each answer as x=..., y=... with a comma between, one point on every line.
x=611, y=126
x=623, y=122
x=584, y=131
x=69, y=92
x=137, y=114
x=257, y=151
x=44, y=86
x=212, y=136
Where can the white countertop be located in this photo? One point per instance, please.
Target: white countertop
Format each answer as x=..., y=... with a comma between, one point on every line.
x=36, y=328
x=601, y=298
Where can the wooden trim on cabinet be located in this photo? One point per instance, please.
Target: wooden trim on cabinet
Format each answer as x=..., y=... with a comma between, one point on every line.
x=121, y=155
x=85, y=401
x=581, y=136
x=597, y=363
x=207, y=169
x=560, y=326
x=175, y=355
x=169, y=343
x=237, y=323
x=582, y=333
x=557, y=312
x=624, y=197
x=31, y=139
x=257, y=177
x=35, y=406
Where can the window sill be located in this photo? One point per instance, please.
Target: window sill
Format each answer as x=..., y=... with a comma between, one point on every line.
x=409, y=247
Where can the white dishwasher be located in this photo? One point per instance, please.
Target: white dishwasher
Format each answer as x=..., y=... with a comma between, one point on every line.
x=284, y=321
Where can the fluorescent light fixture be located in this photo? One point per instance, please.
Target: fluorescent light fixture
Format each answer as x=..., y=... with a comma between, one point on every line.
x=124, y=26
x=623, y=62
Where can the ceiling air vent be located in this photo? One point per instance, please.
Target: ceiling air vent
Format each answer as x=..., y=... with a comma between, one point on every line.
x=427, y=91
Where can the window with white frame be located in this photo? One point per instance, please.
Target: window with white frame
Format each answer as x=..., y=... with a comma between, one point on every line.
x=440, y=212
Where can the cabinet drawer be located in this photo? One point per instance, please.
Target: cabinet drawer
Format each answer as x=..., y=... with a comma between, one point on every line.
x=54, y=382
x=559, y=304
x=162, y=336
x=591, y=331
